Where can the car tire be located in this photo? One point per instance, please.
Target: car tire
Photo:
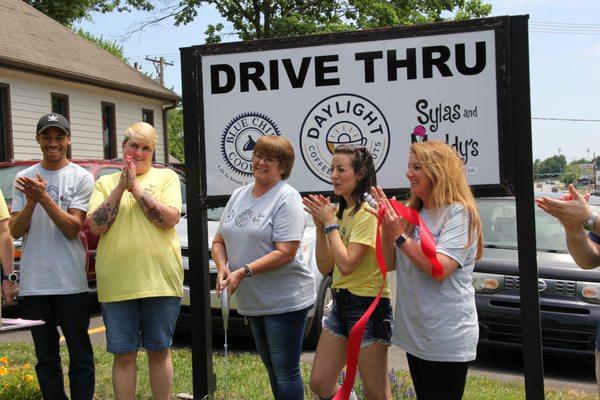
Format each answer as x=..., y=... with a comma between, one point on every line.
x=322, y=306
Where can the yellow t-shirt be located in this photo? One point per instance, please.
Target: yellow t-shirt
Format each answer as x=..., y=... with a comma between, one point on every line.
x=366, y=278
x=3, y=209
x=135, y=258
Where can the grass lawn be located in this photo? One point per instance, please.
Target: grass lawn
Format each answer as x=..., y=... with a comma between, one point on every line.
x=248, y=379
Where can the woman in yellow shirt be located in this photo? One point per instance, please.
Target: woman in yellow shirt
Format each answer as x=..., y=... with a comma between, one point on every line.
x=138, y=265
x=346, y=248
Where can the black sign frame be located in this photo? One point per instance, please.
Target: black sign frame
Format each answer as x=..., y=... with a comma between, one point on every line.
x=515, y=159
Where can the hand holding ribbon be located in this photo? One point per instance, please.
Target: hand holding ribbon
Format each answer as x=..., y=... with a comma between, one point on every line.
x=390, y=215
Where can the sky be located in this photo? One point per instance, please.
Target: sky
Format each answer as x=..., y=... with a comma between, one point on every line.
x=564, y=59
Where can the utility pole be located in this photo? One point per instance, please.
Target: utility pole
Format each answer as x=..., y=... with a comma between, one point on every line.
x=594, y=161
x=159, y=65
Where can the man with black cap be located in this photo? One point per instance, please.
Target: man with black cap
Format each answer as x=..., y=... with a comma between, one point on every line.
x=48, y=209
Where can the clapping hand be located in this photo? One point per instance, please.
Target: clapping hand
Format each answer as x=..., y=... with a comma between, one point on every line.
x=320, y=208
x=33, y=189
x=128, y=174
x=571, y=209
x=393, y=224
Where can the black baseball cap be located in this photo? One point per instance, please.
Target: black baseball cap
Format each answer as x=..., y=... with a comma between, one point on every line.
x=53, y=120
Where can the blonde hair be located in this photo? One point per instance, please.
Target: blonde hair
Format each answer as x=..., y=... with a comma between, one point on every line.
x=142, y=132
x=445, y=169
x=279, y=148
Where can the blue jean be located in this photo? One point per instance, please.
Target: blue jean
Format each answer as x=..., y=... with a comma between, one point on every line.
x=279, y=342
x=72, y=313
x=148, y=321
x=348, y=308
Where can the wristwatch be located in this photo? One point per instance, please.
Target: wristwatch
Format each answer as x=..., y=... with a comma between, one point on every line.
x=588, y=224
x=11, y=277
x=401, y=240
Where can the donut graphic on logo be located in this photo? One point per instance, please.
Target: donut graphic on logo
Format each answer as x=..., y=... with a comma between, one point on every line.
x=342, y=119
x=344, y=132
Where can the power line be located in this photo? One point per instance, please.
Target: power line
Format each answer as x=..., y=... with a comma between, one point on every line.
x=564, y=23
x=569, y=28
x=565, y=119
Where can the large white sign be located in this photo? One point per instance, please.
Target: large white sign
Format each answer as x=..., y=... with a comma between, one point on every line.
x=382, y=94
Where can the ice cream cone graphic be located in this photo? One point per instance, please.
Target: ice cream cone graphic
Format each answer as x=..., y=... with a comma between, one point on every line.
x=419, y=134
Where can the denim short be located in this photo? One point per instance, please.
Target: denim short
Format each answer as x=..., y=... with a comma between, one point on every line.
x=149, y=322
x=347, y=310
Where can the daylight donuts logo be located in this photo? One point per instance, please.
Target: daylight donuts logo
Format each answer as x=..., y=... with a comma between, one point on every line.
x=238, y=142
x=342, y=119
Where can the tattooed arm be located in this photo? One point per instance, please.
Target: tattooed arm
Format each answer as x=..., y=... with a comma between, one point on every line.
x=103, y=217
x=105, y=214
x=161, y=215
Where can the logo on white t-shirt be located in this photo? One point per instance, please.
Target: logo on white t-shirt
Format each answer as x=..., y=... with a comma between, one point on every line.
x=244, y=218
x=52, y=192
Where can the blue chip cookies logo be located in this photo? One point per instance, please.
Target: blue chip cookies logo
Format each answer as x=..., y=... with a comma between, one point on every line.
x=342, y=119
x=237, y=144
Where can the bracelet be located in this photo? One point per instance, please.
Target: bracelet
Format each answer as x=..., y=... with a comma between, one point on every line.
x=248, y=271
x=133, y=188
x=330, y=228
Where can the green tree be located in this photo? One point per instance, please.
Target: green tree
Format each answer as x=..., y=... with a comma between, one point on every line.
x=112, y=46
x=572, y=174
x=255, y=19
x=552, y=165
x=175, y=133
x=68, y=11
x=580, y=161
x=536, y=166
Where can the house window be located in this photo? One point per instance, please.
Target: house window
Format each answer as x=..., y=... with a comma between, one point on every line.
x=5, y=128
x=109, y=130
x=148, y=116
x=60, y=105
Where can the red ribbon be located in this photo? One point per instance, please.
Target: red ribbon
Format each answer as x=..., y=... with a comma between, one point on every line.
x=427, y=242
x=358, y=330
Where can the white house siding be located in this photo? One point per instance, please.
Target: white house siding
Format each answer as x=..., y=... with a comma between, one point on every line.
x=30, y=99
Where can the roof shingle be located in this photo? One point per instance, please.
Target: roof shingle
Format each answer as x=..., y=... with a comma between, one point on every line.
x=32, y=41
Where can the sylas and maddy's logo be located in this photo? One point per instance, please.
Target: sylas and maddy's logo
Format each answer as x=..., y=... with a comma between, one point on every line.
x=432, y=117
x=342, y=119
x=238, y=142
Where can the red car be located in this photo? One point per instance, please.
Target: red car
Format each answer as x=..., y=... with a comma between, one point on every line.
x=98, y=168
